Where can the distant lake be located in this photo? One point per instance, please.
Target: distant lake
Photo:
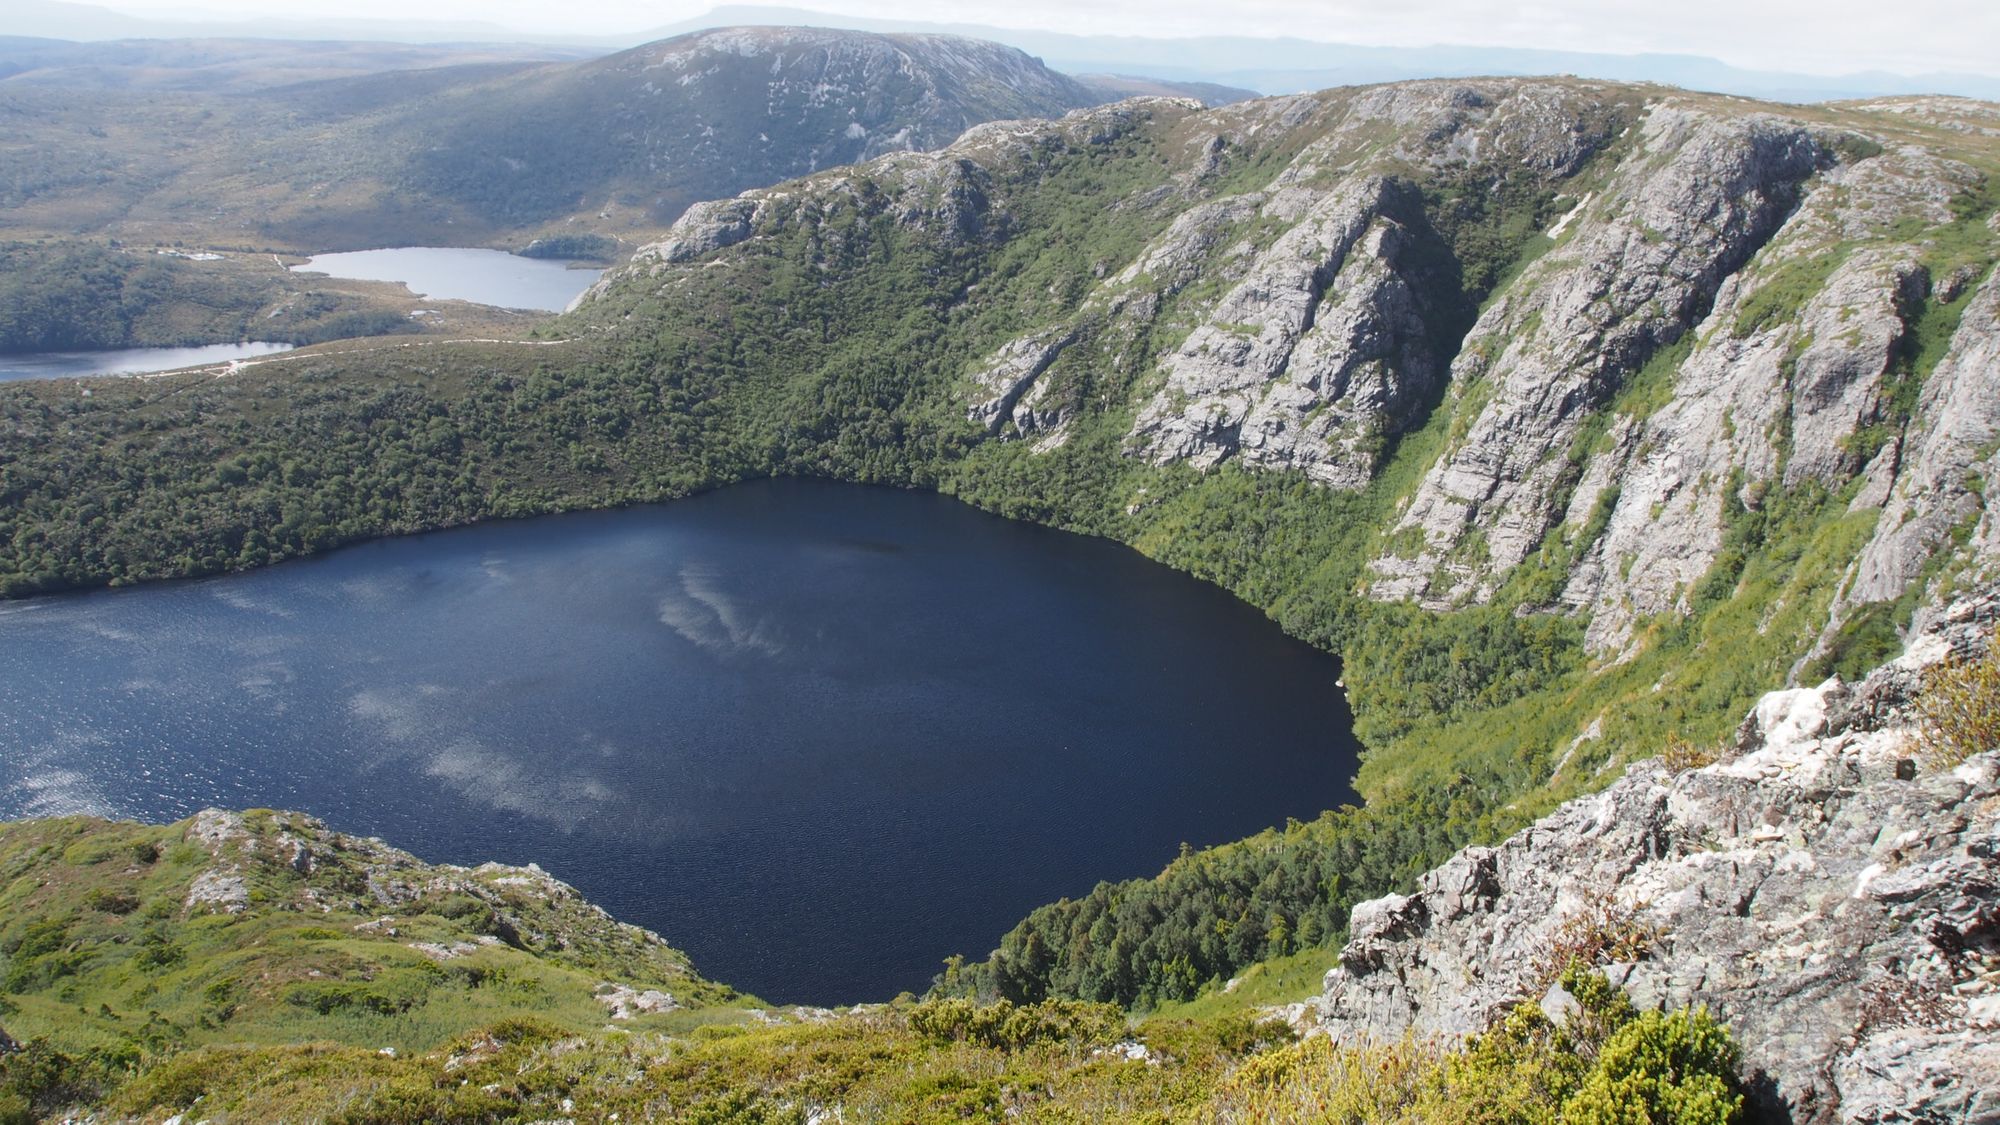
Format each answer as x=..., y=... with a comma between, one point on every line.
x=488, y=277
x=818, y=735
x=124, y=361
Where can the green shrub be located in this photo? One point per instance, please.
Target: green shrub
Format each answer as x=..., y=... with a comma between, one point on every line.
x=1008, y=1026
x=1677, y=1067
x=414, y=1102
x=1867, y=638
x=328, y=997
x=107, y=901
x=1783, y=290
x=1320, y=1080
x=1957, y=712
x=1607, y=1063
x=39, y=1080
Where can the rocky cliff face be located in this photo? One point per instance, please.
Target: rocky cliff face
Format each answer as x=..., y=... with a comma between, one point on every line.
x=1336, y=334
x=1636, y=321
x=1644, y=259
x=1331, y=340
x=1829, y=896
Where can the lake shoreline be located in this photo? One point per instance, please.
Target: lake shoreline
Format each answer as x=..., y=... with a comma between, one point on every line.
x=498, y=278
x=783, y=688
x=132, y=362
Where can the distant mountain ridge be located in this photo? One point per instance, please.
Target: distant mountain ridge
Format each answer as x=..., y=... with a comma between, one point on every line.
x=58, y=19
x=708, y=114
x=1269, y=66
x=1296, y=65
x=473, y=153
x=239, y=64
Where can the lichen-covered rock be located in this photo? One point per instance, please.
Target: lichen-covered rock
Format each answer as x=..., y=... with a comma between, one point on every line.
x=216, y=829
x=220, y=888
x=1321, y=351
x=1699, y=197
x=1944, y=464
x=296, y=863
x=1831, y=899
x=624, y=1002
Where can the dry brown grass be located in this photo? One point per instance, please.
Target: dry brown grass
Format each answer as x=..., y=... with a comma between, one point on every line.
x=1680, y=755
x=1603, y=931
x=1957, y=713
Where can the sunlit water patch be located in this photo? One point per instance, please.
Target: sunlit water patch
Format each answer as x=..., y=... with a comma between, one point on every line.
x=488, y=277
x=124, y=361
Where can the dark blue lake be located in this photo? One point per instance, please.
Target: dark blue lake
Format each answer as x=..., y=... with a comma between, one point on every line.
x=817, y=735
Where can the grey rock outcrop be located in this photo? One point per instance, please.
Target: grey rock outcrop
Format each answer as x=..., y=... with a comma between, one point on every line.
x=220, y=889
x=704, y=229
x=1637, y=271
x=1011, y=373
x=1943, y=465
x=1325, y=347
x=1835, y=903
x=623, y=1002
x=298, y=863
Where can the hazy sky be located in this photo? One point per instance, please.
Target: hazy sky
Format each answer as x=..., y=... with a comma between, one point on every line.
x=1825, y=36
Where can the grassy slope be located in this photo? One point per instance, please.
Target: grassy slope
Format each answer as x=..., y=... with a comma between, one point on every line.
x=312, y=1001
x=107, y=943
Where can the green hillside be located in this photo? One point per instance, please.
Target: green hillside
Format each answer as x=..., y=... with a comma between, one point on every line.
x=260, y=967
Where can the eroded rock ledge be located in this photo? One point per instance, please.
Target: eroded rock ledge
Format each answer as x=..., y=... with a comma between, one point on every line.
x=1837, y=902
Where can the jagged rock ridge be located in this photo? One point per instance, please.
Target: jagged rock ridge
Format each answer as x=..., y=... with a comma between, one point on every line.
x=1710, y=305
x=1834, y=901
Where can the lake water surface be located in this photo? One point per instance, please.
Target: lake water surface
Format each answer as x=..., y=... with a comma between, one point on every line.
x=124, y=361
x=818, y=735
x=488, y=277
